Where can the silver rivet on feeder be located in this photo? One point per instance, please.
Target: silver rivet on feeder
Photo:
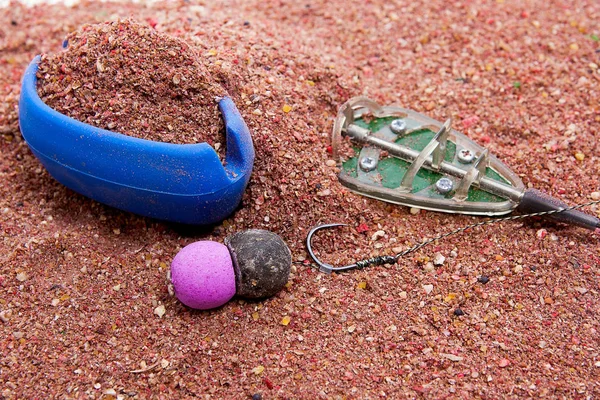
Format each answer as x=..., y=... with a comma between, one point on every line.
x=398, y=126
x=444, y=185
x=466, y=156
x=368, y=164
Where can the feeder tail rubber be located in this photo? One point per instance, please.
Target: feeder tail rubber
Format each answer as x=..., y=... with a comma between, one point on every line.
x=535, y=201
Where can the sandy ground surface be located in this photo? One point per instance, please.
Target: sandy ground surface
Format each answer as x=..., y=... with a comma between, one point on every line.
x=84, y=308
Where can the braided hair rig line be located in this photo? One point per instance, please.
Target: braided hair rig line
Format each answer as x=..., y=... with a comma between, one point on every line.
x=381, y=260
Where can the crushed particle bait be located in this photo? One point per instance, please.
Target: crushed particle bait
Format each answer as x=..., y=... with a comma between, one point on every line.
x=258, y=370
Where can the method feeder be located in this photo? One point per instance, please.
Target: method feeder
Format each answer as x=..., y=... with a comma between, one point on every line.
x=403, y=157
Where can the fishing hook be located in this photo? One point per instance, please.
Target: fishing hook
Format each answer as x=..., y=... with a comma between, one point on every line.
x=328, y=268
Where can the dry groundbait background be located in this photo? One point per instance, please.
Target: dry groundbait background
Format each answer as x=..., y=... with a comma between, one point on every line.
x=84, y=309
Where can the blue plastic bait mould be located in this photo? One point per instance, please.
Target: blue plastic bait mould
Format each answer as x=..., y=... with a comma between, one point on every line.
x=184, y=183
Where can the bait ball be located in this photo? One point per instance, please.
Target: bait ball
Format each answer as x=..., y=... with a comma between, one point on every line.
x=253, y=264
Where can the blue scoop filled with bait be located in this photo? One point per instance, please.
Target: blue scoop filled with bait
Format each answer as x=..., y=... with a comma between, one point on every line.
x=184, y=183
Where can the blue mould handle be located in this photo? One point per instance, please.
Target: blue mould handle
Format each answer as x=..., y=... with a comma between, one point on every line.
x=129, y=161
x=177, y=182
x=239, y=158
